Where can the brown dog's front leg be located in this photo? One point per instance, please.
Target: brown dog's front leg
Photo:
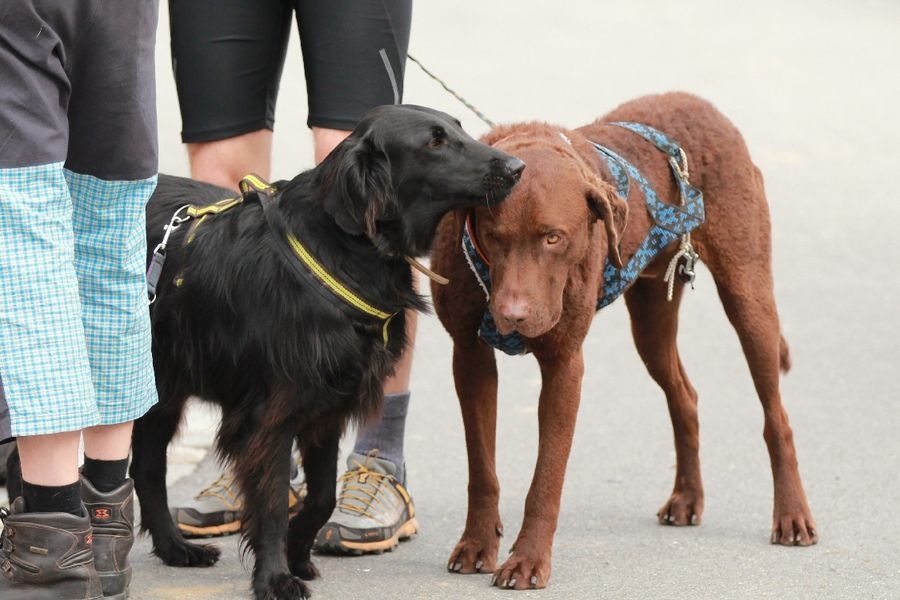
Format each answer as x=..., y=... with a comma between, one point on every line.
x=528, y=565
x=475, y=375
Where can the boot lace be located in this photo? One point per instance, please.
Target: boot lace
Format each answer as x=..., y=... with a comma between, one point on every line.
x=6, y=544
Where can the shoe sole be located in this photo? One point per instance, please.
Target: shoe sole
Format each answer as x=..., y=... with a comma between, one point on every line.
x=191, y=531
x=344, y=547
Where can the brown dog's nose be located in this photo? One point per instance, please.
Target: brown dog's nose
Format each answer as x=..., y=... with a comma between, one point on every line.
x=510, y=315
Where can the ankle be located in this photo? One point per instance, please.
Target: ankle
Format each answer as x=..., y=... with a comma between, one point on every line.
x=105, y=475
x=53, y=499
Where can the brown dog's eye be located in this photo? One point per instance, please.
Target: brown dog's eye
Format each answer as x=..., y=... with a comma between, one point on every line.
x=552, y=238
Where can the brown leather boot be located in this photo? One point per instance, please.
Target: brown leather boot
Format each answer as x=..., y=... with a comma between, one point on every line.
x=112, y=517
x=46, y=556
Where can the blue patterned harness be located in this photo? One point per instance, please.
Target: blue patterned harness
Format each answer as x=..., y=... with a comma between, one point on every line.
x=670, y=222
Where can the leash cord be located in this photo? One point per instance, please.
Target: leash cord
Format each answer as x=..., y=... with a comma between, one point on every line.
x=465, y=103
x=685, y=249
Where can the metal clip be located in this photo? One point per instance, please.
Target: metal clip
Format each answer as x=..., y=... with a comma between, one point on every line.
x=687, y=270
x=154, y=270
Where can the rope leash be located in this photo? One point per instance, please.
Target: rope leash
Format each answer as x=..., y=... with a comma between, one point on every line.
x=464, y=102
x=685, y=249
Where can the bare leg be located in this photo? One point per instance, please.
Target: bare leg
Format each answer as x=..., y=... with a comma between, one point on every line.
x=108, y=442
x=225, y=162
x=50, y=460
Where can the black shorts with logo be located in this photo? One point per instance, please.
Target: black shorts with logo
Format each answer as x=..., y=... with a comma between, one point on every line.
x=228, y=58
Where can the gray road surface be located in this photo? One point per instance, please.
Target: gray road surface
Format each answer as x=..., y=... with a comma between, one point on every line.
x=814, y=86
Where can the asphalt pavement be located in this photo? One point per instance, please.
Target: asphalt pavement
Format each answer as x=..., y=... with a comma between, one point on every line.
x=814, y=87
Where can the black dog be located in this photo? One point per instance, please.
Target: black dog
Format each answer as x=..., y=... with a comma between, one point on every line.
x=239, y=320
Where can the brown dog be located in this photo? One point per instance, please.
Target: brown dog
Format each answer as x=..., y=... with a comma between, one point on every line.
x=554, y=249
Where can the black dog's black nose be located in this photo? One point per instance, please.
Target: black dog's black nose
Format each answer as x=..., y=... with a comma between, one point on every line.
x=515, y=167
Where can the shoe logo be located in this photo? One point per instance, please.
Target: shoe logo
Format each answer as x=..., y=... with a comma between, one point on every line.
x=101, y=514
x=89, y=539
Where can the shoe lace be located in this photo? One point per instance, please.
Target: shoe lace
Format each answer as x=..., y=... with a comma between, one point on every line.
x=223, y=488
x=360, y=487
x=6, y=544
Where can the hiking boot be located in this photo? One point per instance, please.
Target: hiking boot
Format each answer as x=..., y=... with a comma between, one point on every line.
x=46, y=556
x=216, y=510
x=112, y=518
x=374, y=511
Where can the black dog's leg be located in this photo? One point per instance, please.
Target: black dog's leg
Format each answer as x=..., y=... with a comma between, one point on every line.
x=152, y=434
x=320, y=468
x=263, y=474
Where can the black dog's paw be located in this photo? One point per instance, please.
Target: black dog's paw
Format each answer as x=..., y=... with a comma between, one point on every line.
x=185, y=554
x=305, y=569
x=283, y=586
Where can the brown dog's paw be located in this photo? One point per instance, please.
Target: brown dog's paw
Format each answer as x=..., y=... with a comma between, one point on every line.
x=794, y=530
x=472, y=555
x=681, y=509
x=523, y=572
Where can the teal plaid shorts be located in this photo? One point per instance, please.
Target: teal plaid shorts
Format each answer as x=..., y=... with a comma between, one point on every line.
x=74, y=320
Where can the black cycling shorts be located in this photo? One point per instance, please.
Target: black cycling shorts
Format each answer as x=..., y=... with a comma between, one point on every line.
x=228, y=57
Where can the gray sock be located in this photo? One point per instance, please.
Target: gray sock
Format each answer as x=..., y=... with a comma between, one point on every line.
x=387, y=435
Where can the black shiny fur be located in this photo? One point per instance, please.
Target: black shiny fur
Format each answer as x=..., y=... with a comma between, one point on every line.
x=284, y=358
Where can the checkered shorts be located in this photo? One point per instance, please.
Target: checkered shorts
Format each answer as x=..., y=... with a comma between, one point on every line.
x=74, y=322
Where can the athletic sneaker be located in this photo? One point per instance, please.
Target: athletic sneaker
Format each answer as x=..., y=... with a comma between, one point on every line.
x=217, y=509
x=374, y=511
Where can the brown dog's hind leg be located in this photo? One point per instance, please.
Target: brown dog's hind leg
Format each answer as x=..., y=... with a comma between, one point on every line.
x=475, y=375
x=654, y=325
x=749, y=301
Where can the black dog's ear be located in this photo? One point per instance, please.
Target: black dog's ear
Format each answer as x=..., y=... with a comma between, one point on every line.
x=361, y=188
x=608, y=206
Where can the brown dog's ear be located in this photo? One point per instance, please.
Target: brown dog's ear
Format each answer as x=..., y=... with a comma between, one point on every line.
x=608, y=206
x=361, y=189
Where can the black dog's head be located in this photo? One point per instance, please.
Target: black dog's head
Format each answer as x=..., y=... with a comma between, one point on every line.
x=403, y=168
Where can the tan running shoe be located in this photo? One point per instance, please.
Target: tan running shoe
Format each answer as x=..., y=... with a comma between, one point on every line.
x=374, y=511
x=216, y=510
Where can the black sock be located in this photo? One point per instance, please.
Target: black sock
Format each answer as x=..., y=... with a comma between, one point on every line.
x=43, y=498
x=106, y=475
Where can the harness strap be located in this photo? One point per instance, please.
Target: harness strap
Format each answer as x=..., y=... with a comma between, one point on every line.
x=256, y=189
x=669, y=223
x=510, y=344
x=253, y=187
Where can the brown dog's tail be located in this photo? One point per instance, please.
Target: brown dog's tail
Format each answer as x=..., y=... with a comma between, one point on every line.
x=784, y=355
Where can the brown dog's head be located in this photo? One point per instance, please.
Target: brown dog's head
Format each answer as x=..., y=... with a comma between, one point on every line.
x=546, y=239
x=403, y=168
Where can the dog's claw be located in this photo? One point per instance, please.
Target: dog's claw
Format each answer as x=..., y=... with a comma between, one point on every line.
x=478, y=565
x=534, y=581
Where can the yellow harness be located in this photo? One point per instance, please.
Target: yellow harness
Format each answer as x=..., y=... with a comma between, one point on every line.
x=254, y=187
